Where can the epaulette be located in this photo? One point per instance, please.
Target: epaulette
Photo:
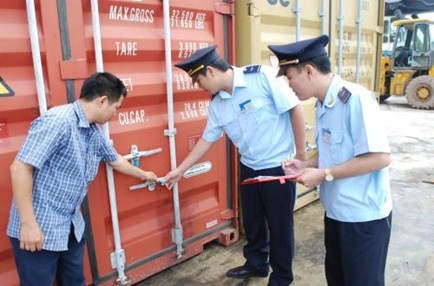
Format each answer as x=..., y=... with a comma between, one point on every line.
x=252, y=69
x=344, y=94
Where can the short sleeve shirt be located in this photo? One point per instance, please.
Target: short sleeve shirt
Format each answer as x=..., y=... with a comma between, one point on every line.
x=255, y=117
x=349, y=124
x=65, y=151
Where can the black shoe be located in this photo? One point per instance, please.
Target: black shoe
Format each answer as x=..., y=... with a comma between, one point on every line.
x=243, y=272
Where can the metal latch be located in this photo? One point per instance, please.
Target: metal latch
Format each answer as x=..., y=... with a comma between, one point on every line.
x=135, y=154
x=151, y=185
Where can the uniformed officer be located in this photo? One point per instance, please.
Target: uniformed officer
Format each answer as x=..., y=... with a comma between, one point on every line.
x=263, y=119
x=350, y=167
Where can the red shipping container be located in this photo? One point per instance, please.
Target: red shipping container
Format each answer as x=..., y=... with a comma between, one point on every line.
x=157, y=228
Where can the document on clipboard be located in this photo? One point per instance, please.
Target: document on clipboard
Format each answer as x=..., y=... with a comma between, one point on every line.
x=263, y=179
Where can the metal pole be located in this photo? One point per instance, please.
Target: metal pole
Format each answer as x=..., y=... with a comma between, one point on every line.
x=322, y=15
x=341, y=34
x=297, y=11
x=118, y=257
x=36, y=54
x=359, y=41
x=177, y=231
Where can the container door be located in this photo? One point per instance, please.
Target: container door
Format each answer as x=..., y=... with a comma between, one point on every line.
x=18, y=103
x=133, y=48
x=370, y=43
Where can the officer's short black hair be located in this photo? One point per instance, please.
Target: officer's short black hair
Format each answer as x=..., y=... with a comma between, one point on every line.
x=321, y=63
x=103, y=84
x=218, y=63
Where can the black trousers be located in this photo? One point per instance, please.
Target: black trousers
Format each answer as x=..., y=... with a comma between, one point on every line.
x=267, y=210
x=42, y=268
x=356, y=252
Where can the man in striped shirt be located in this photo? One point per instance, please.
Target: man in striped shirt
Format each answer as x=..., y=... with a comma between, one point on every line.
x=50, y=177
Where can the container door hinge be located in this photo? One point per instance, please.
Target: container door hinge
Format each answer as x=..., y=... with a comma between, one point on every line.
x=225, y=8
x=177, y=238
x=117, y=258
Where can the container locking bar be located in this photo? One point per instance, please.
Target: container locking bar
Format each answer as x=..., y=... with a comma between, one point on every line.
x=135, y=154
x=148, y=184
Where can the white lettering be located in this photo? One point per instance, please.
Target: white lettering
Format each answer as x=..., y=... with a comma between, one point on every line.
x=184, y=82
x=132, y=117
x=194, y=110
x=126, y=48
x=187, y=19
x=128, y=82
x=203, y=112
x=139, y=15
x=203, y=104
x=199, y=22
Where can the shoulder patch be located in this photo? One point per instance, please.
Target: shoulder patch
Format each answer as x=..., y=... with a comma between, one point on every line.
x=252, y=69
x=344, y=94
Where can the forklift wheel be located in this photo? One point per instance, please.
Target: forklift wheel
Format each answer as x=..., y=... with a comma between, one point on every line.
x=420, y=92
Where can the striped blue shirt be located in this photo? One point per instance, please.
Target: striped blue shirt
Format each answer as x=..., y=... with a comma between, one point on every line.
x=65, y=151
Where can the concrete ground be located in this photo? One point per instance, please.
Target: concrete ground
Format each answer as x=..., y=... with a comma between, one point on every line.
x=411, y=251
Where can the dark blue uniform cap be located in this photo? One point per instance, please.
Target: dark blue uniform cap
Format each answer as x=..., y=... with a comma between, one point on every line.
x=198, y=60
x=298, y=52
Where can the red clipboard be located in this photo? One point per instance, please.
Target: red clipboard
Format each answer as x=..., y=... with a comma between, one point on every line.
x=263, y=179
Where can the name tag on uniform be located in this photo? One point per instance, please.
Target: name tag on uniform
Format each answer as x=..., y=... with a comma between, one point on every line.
x=247, y=105
x=326, y=136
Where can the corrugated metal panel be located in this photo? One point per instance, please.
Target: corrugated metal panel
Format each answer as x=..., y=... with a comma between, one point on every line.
x=260, y=23
x=368, y=44
x=133, y=49
x=16, y=113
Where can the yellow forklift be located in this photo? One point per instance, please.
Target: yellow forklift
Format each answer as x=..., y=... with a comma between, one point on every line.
x=409, y=69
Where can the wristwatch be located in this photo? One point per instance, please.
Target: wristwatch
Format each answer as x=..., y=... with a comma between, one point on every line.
x=328, y=175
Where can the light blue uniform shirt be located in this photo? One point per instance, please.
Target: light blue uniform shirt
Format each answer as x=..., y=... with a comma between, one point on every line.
x=255, y=117
x=349, y=125
x=65, y=151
